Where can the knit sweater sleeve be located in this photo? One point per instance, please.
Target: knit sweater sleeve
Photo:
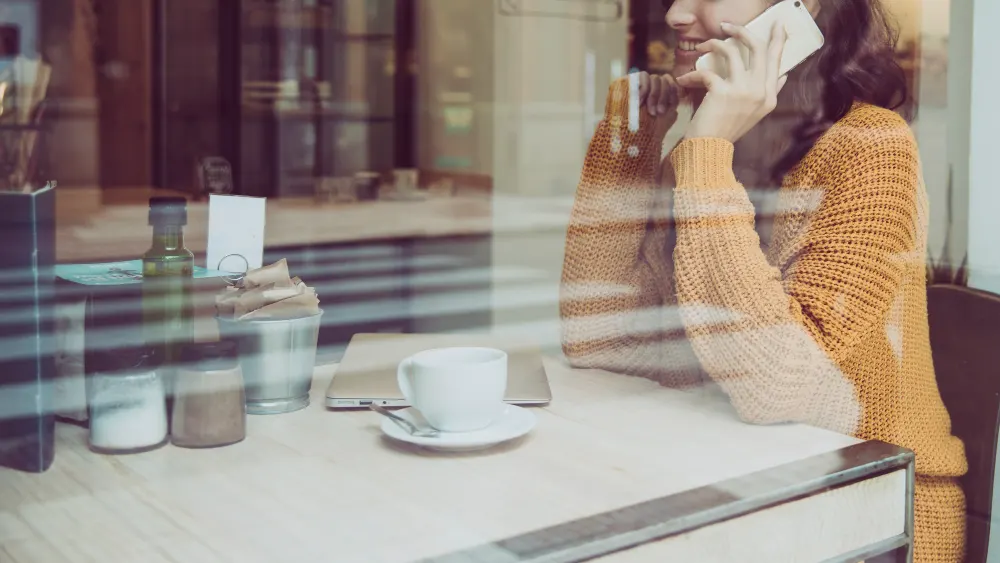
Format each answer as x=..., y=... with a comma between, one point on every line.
x=774, y=339
x=613, y=278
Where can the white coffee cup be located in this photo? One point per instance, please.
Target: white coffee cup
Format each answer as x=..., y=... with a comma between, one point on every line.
x=457, y=389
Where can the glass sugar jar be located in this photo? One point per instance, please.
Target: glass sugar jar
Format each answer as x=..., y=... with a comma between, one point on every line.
x=209, y=408
x=127, y=401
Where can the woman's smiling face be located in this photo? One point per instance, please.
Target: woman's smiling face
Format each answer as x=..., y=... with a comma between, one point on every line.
x=697, y=21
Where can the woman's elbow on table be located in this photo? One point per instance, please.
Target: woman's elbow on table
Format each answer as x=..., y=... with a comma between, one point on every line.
x=779, y=374
x=574, y=357
x=766, y=413
x=823, y=398
x=581, y=355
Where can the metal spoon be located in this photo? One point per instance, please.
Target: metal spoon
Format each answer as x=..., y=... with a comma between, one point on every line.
x=410, y=428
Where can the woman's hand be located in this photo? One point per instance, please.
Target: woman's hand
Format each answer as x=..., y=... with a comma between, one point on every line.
x=659, y=93
x=733, y=106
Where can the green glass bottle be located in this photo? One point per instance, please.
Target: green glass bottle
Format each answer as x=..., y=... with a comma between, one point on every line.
x=167, y=268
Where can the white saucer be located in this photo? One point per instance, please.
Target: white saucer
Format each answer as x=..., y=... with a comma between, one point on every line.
x=513, y=423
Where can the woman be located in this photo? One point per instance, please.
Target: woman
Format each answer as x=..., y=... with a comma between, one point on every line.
x=665, y=275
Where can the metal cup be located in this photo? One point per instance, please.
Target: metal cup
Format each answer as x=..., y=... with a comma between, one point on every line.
x=277, y=357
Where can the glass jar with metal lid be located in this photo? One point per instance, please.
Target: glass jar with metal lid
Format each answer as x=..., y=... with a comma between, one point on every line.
x=127, y=400
x=209, y=408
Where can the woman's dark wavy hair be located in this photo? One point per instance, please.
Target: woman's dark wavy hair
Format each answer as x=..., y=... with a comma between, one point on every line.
x=856, y=64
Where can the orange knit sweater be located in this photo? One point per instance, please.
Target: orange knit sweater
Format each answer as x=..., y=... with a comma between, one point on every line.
x=827, y=326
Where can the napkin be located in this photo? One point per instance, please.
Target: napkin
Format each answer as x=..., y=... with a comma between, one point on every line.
x=268, y=293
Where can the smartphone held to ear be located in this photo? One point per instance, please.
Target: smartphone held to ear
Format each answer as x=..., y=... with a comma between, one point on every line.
x=803, y=37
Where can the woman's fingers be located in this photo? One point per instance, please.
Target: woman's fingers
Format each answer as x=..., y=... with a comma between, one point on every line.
x=774, y=51
x=668, y=94
x=643, y=88
x=737, y=67
x=705, y=79
x=658, y=94
x=655, y=90
x=756, y=46
x=672, y=90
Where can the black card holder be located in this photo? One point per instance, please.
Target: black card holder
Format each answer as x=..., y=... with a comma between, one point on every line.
x=27, y=337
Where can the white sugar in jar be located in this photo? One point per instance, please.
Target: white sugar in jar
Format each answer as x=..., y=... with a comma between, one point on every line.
x=127, y=401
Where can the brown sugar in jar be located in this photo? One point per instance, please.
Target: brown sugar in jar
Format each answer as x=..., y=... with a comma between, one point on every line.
x=209, y=400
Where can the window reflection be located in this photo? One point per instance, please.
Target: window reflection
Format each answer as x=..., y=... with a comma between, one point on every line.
x=420, y=161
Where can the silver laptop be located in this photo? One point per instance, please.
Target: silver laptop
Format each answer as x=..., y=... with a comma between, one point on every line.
x=367, y=372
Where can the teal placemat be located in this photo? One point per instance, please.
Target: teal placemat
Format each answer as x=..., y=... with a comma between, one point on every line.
x=117, y=273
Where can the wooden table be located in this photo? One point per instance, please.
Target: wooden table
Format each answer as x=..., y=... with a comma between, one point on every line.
x=617, y=469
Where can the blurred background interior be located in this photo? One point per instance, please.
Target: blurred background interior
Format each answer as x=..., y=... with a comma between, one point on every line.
x=484, y=106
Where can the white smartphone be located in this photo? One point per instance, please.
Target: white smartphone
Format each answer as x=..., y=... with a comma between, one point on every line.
x=804, y=37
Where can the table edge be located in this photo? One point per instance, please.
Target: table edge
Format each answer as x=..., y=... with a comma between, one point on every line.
x=657, y=519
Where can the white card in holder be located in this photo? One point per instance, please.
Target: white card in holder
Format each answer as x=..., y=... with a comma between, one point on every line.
x=235, y=232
